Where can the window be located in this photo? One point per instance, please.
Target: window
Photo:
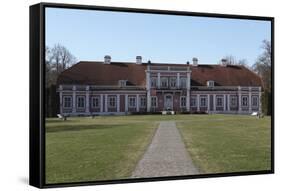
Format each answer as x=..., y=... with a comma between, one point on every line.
x=164, y=82
x=154, y=101
x=67, y=101
x=142, y=101
x=111, y=101
x=122, y=83
x=132, y=101
x=233, y=101
x=219, y=101
x=153, y=82
x=183, y=82
x=80, y=102
x=193, y=101
x=183, y=101
x=203, y=101
x=244, y=101
x=95, y=102
x=210, y=83
x=173, y=82
x=255, y=101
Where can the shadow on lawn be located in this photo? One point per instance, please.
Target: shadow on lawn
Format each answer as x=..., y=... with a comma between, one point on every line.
x=80, y=127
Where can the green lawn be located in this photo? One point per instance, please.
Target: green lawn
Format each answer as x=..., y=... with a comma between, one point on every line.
x=109, y=147
x=228, y=143
x=85, y=149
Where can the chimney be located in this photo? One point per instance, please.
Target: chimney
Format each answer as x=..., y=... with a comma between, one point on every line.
x=195, y=61
x=107, y=59
x=224, y=62
x=138, y=60
x=187, y=63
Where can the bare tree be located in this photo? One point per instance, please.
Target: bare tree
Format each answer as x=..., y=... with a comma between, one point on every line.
x=231, y=60
x=49, y=70
x=242, y=62
x=57, y=59
x=263, y=68
x=61, y=58
x=263, y=64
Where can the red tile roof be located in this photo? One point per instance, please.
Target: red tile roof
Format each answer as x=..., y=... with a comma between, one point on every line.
x=230, y=75
x=97, y=73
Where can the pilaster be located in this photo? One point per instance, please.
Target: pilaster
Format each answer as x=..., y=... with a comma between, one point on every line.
x=250, y=99
x=101, y=103
x=137, y=102
x=118, y=102
x=148, y=100
x=187, y=100
x=87, y=99
x=74, y=99
x=208, y=103
x=158, y=80
x=61, y=101
x=214, y=102
x=239, y=99
x=126, y=103
x=228, y=102
x=225, y=101
x=198, y=102
x=178, y=80
x=105, y=102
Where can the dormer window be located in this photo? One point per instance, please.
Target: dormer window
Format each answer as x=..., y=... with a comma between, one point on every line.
x=122, y=83
x=210, y=83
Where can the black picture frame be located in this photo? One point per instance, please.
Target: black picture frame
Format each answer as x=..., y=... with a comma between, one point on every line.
x=37, y=98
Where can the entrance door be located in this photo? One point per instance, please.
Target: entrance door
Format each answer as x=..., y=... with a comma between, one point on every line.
x=168, y=102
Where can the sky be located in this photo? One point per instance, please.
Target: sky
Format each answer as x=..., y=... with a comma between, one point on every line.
x=90, y=35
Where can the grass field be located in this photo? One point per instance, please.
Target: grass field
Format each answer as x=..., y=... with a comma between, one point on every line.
x=85, y=149
x=228, y=143
x=109, y=147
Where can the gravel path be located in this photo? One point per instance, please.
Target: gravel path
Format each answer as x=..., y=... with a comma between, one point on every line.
x=166, y=155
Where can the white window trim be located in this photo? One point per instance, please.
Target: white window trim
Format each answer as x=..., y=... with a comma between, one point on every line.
x=233, y=105
x=170, y=82
x=122, y=83
x=257, y=97
x=167, y=82
x=195, y=103
x=142, y=97
x=182, y=105
x=156, y=100
x=63, y=104
x=77, y=102
x=203, y=97
x=181, y=80
x=95, y=97
x=108, y=101
x=246, y=102
x=135, y=101
x=210, y=83
x=153, y=79
x=217, y=97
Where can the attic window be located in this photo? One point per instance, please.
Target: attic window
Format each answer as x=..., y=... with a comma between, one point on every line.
x=210, y=83
x=122, y=83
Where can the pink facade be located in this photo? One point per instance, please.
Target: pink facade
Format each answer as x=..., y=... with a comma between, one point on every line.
x=138, y=88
